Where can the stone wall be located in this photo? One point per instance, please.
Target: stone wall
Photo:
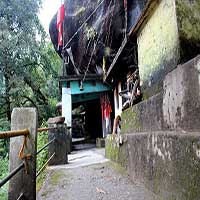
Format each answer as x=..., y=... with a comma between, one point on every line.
x=188, y=19
x=115, y=151
x=167, y=163
x=176, y=107
x=161, y=137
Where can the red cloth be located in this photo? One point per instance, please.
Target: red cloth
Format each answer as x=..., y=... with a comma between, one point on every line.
x=60, y=19
x=125, y=4
x=105, y=108
x=108, y=110
x=102, y=111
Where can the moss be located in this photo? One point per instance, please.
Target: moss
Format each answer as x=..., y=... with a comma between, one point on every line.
x=188, y=174
x=130, y=120
x=112, y=149
x=44, y=194
x=188, y=18
x=40, y=180
x=117, y=168
x=55, y=177
x=158, y=47
x=116, y=152
x=178, y=178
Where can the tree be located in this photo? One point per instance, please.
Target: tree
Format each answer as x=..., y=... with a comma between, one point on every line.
x=27, y=63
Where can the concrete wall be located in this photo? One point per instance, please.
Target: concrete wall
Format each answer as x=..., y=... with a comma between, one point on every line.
x=166, y=163
x=176, y=107
x=158, y=47
x=161, y=137
x=169, y=36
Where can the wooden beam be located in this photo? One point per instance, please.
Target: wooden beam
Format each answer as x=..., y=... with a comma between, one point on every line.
x=116, y=58
x=147, y=11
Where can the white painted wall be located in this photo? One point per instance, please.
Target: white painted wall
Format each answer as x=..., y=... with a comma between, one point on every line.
x=67, y=105
x=118, y=106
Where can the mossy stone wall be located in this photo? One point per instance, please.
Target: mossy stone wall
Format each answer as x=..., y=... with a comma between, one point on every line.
x=169, y=36
x=158, y=47
x=188, y=19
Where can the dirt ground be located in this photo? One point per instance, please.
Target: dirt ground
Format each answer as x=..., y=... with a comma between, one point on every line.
x=99, y=180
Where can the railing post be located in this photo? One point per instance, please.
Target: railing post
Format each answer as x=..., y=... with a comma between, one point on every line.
x=59, y=146
x=23, y=183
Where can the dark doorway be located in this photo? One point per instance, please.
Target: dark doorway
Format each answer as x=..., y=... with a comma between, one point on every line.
x=93, y=123
x=86, y=125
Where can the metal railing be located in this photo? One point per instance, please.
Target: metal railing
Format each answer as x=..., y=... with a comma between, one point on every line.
x=44, y=147
x=25, y=132
x=23, y=154
x=13, y=173
x=9, y=134
x=41, y=169
x=23, y=165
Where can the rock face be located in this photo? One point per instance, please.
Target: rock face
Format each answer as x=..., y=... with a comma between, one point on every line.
x=100, y=36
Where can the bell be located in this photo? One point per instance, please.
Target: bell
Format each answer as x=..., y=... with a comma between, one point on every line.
x=81, y=85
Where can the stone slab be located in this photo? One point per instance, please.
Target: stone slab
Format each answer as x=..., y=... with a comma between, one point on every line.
x=168, y=163
x=177, y=107
x=59, y=146
x=56, y=120
x=23, y=118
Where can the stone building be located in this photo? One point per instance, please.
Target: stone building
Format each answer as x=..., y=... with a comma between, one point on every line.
x=160, y=135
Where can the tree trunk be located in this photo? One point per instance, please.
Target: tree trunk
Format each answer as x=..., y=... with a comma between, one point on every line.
x=7, y=97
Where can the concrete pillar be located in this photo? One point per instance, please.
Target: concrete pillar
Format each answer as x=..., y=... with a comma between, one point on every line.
x=118, y=100
x=23, y=183
x=67, y=113
x=67, y=105
x=69, y=141
x=59, y=146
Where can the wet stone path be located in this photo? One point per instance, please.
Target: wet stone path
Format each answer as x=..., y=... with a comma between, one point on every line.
x=89, y=176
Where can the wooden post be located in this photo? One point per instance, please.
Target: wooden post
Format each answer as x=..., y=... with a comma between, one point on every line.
x=23, y=183
x=59, y=146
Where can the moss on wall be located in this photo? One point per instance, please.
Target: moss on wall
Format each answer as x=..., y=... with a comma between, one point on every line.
x=169, y=37
x=130, y=120
x=158, y=46
x=167, y=163
x=116, y=152
x=188, y=18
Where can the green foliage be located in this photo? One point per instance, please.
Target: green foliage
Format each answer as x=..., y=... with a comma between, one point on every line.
x=29, y=69
x=42, y=139
x=3, y=174
x=4, y=125
x=29, y=65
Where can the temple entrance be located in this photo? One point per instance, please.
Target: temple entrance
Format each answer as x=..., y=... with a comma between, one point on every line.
x=86, y=125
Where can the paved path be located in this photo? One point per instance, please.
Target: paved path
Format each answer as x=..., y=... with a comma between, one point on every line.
x=89, y=176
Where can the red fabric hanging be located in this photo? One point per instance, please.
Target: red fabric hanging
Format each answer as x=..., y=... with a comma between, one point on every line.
x=125, y=4
x=60, y=19
x=105, y=107
x=102, y=108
